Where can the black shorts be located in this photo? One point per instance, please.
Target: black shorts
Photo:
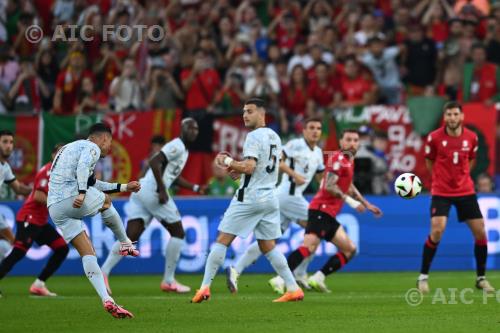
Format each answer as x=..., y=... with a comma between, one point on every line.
x=467, y=206
x=321, y=224
x=28, y=233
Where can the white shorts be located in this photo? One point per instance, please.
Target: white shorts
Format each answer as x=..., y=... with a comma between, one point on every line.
x=70, y=220
x=292, y=209
x=241, y=218
x=3, y=223
x=144, y=205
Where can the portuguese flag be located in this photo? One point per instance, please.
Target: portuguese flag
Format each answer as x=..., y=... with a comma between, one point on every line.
x=132, y=132
x=26, y=145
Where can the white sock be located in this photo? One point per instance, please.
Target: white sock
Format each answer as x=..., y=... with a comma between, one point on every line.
x=214, y=261
x=112, y=220
x=301, y=270
x=278, y=261
x=423, y=277
x=172, y=257
x=319, y=275
x=39, y=283
x=113, y=259
x=5, y=248
x=250, y=256
x=94, y=274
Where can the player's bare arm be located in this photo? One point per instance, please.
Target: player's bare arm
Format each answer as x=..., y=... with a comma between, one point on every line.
x=7, y=234
x=247, y=166
x=299, y=179
x=358, y=196
x=319, y=176
x=184, y=183
x=20, y=188
x=40, y=197
x=155, y=163
x=332, y=188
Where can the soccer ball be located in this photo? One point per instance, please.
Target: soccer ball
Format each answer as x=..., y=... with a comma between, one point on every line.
x=408, y=185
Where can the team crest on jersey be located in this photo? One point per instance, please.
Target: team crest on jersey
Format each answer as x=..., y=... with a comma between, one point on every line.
x=306, y=169
x=465, y=143
x=444, y=143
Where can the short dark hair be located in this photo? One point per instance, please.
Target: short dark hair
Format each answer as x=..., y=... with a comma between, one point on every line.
x=321, y=63
x=348, y=130
x=258, y=102
x=452, y=105
x=478, y=45
x=375, y=39
x=158, y=139
x=311, y=120
x=6, y=132
x=99, y=128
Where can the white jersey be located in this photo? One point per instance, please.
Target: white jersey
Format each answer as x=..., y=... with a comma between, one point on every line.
x=176, y=153
x=305, y=161
x=264, y=145
x=6, y=174
x=72, y=172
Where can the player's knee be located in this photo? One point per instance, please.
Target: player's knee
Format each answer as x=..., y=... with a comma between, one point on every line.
x=19, y=245
x=312, y=247
x=134, y=229
x=437, y=234
x=350, y=251
x=178, y=233
x=266, y=246
x=176, y=230
x=60, y=247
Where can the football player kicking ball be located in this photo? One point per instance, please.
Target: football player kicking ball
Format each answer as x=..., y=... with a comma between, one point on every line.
x=450, y=154
x=153, y=201
x=32, y=225
x=75, y=193
x=335, y=189
x=255, y=206
x=302, y=160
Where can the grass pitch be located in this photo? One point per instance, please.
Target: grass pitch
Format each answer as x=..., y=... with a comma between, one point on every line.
x=360, y=302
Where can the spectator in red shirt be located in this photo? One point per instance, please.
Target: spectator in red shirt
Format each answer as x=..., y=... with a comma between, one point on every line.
x=108, y=66
x=68, y=84
x=480, y=78
x=294, y=100
x=321, y=91
x=23, y=46
x=89, y=100
x=284, y=27
x=200, y=83
x=355, y=88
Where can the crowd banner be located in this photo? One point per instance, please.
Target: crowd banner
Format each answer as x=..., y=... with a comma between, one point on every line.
x=36, y=135
x=391, y=243
x=132, y=132
x=406, y=147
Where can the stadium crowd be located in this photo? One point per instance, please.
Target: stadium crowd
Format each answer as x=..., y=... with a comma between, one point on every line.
x=305, y=58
